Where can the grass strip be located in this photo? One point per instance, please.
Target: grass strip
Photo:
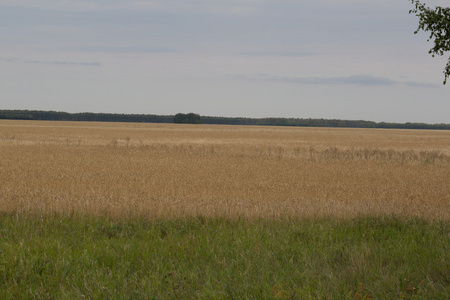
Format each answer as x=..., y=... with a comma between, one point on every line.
x=65, y=257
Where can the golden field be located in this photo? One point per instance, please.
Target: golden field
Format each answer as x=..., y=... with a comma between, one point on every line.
x=169, y=170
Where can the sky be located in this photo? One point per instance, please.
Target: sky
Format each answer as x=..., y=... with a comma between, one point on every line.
x=331, y=59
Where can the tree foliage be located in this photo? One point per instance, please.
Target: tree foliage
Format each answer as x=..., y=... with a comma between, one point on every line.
x=189, y=118
x=437, y=21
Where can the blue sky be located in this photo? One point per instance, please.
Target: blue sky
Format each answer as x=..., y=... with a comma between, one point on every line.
x=346, y=59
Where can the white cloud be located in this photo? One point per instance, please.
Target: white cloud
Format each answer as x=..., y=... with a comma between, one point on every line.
x=56, y=62
x=175, y=6
x=359, y=80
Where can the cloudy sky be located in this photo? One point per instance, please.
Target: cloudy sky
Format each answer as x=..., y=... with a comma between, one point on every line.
x=340, y=59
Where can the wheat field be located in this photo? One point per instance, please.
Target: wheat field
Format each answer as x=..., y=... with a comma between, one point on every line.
x=170, y=170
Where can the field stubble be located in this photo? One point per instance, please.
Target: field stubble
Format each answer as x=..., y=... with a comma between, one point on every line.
x=166, y=170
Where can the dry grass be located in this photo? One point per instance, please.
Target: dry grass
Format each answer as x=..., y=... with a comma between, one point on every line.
x=169, y=170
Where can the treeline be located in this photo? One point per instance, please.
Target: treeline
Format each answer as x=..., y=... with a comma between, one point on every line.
x=187, y=118
x=320, y=123
x=86, y=116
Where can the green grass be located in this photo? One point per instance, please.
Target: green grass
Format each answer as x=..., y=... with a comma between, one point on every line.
x=62, y=257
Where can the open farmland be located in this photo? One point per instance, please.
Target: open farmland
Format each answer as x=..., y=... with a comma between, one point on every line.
x=167, y=170
x=145, y=211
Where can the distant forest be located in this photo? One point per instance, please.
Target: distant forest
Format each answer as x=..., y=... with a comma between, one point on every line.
x=142, y=118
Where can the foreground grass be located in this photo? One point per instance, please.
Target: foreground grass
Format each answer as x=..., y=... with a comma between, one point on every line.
x=61, y=257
